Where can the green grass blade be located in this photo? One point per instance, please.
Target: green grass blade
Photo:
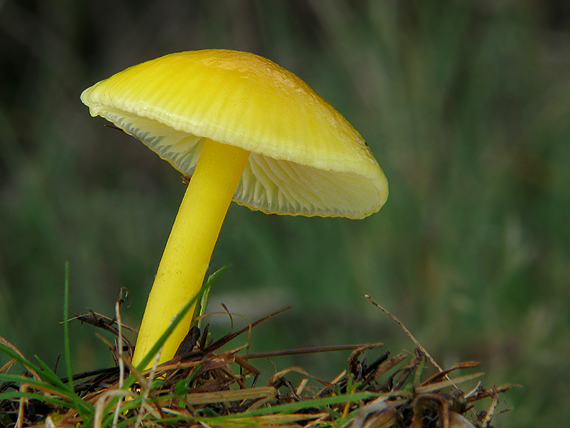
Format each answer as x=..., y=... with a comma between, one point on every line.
x=317, y=402
x=49, y=375
x=284, y=409
x=18, y=379
x=66, y=342
x=42, y=370
x=12, y=354
x=67, y=398
x=176, y=320
x=15, y=395
x=203, y=302
x=70, y=392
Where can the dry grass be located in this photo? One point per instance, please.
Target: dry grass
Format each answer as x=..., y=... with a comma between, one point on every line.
x=205, y=385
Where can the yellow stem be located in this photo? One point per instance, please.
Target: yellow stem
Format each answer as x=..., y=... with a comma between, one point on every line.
x=189, y=248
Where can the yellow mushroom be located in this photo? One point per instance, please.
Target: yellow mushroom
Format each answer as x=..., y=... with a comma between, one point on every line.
x=245, y=129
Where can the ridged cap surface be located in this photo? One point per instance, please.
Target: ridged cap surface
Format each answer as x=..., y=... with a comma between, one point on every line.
x=306, y=159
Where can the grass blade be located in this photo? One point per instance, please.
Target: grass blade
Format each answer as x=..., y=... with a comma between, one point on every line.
x=66, y=342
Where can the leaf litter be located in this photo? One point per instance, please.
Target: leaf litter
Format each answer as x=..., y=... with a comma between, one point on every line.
x=207, y=386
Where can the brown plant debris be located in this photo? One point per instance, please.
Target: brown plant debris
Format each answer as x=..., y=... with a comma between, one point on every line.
x=207, y=386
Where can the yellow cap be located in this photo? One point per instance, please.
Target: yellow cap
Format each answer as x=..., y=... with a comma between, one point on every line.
x=306, y=159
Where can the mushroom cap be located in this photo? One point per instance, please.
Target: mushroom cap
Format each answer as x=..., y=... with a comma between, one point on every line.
x=306, y=158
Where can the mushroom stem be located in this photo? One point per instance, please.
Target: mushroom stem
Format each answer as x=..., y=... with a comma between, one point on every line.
x=189, y=248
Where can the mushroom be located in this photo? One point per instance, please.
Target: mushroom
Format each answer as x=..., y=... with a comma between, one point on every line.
x=245, y=129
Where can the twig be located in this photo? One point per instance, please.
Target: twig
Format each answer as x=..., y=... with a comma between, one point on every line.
x=299, y=351
x=229, y=336
x=418, y=344
x=491, y=411
x=99, y=320
x=121, y=363
x=410, y=335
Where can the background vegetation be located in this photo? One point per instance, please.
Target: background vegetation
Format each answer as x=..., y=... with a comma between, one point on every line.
x=466, y=105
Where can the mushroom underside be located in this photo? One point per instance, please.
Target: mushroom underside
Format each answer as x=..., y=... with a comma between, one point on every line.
x=273, y=186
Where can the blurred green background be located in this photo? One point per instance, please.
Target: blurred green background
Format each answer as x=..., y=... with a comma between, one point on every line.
x=466, y=105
